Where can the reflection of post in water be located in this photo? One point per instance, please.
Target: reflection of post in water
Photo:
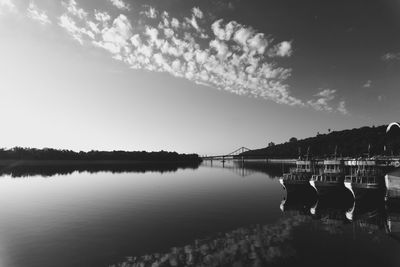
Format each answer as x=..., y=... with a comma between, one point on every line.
x=343, y=208
x=370, y=213
x=393, y=220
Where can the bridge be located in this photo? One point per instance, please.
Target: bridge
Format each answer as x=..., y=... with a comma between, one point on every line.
x=237, y=167
x=232, y=155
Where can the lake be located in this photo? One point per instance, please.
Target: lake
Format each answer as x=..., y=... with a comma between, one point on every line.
x=231, y=215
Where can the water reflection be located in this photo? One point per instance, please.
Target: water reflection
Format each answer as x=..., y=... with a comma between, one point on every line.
x=246, y=168
x=18, y=169
x=275, y=244
x=210, y=217
x=246, y=246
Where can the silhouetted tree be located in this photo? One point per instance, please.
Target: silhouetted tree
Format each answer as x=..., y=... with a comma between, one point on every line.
x=271, y=144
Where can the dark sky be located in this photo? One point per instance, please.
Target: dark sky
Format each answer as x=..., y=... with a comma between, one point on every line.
x=194, y=76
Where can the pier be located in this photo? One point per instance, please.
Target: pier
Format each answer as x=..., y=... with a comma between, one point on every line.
x=367, y=174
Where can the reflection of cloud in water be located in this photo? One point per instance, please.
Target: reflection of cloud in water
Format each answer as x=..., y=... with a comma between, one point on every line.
x=246, y=246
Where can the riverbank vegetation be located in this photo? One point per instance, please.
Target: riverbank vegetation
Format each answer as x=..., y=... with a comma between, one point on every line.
x=20, y=153
x=349, y=143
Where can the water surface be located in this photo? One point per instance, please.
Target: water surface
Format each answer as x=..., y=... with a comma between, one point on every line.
x=102, y=218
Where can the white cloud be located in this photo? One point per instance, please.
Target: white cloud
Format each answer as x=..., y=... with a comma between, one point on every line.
x=35, y=13
x=150, y=12
x=197, y=12
x=175, y=23
x=224, y=33
x=7, y=5
x=76, y=32
x=323, y=102
x=221, y=48
x=73, y=9
x=367, y=84
x=283, y=49
x=342, y=108
x=103, y=17
x=169, y=33
x=323, y=99
x=116, y=38
x=237, y=59
x=152, y=33
x=242, y=35
x=258, y=43
x=120, y=4
x=391, y=56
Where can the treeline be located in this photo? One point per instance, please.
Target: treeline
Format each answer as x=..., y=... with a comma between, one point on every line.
x=19, y=153
x=349, y=143
x=20, y=169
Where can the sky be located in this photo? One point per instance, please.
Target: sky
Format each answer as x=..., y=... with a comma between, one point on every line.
x=194, y=76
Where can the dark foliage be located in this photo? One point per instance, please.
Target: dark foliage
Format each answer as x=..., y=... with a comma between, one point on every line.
x=351, y=143
x=19, y=153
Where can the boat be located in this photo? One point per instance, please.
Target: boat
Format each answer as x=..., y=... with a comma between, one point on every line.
x=330, y=178
x=298, y=178
x=364, y=178
x=392, y=182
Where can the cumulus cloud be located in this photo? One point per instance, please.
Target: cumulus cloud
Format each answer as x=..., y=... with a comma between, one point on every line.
x=120, y=4
x=75, y=22
x=342, y=108
x=230, y=56
x=76, y=32
x=73, y=9
x=7, y=5
x=323, y=102
x=283, y=49
x=391, y=56
x=150, y=12
x=323, y=99
x=35, y=13
x=367, y=84
x=197, y=12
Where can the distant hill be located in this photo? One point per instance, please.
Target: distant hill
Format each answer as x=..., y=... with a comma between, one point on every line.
x=350, y=143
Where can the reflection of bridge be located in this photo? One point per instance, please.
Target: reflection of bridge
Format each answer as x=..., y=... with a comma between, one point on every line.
x=233, y=155
x=236, y=167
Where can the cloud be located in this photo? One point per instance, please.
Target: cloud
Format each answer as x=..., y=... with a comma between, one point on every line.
x=323, y=99
x=391, y=56
x=76, y=32
x=283, y=49
x=102, y=17
x=342, y=108
x=150, y=12
x=367, y=84
x=120, y=4
x=7, y=5
x=323, y=102
x=73, y=9
x=229, y=56
x=197, y=12
x=116, y=38
x=35, y=13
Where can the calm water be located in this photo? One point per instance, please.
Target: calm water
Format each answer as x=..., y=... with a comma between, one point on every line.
x=232, y=215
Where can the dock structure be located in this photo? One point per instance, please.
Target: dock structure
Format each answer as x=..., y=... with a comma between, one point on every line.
x=375, y=172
